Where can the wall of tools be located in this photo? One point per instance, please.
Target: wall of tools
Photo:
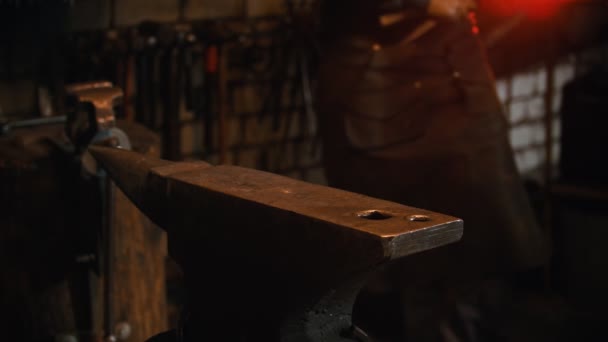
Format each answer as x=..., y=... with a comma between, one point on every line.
x=223, y=81
x=229, y=91
x=236, y=89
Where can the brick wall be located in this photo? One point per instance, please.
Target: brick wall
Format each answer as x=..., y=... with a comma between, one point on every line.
x=524, y=98
x=253, y=139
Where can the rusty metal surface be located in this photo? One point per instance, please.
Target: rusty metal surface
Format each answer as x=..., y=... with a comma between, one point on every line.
x=261, y=251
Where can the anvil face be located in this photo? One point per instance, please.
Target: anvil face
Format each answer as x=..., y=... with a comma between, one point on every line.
x=255, y=239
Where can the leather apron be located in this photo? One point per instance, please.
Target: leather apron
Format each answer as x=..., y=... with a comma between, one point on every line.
x=419, y=122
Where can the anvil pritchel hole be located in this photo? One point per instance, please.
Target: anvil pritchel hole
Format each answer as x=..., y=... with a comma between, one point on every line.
x=374, y=215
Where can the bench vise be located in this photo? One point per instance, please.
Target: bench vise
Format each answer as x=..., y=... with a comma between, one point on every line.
x=266, y=257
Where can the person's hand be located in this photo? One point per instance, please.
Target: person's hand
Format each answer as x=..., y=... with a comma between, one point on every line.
x=454, y=9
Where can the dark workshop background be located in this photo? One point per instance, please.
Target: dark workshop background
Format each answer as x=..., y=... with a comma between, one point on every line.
x=533, y=61
x=549, y=69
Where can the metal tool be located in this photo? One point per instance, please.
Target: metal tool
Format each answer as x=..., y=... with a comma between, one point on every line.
x=73, y=89
x=91, y=116
x=211, y=96
x=7, y=127
x=267, y=257
x=93, y=120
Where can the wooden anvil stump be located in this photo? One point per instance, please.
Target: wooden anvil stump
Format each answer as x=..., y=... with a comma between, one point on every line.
x=266, y=257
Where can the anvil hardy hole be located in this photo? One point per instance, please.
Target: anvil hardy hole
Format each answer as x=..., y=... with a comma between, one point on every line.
x=374, y=215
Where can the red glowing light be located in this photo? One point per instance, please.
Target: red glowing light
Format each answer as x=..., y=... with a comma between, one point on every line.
x=473, y=17
x=473, y=20
x=532, y=8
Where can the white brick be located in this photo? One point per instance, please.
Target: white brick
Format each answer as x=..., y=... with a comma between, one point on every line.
x=502, y=90
x=525, y=136
x=520, y=136
x=535, y=158
x=537, y=133
x=557, y=101
x=529, y=160
x=525, y=161
x=523, y=84
x=563, y=73
x=517, y=111
x=536, y=108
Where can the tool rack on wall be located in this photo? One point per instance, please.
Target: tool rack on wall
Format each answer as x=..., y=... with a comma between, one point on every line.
x=230, y=90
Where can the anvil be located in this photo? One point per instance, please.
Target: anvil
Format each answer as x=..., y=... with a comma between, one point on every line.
x=266, y=257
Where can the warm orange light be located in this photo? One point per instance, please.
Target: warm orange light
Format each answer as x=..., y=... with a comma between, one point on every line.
x=532, y=8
